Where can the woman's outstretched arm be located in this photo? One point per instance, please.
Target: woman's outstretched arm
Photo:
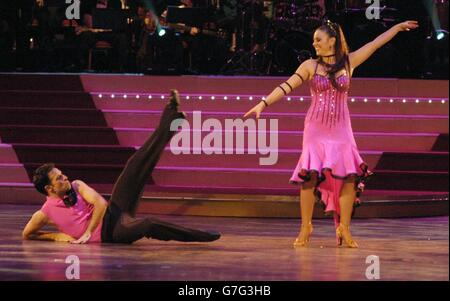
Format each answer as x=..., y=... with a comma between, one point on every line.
x=362, y=54
x=302, y=74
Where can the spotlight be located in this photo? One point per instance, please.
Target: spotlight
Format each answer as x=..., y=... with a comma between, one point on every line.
x=440, y=34
x=162, y=32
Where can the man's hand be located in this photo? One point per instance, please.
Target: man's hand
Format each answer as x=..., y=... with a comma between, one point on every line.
x=50, y=236
x=83, y=239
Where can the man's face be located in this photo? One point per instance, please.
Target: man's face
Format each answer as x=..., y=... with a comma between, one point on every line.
x=59, y=183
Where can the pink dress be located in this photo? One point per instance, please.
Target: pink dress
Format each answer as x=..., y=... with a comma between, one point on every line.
x=329, y=147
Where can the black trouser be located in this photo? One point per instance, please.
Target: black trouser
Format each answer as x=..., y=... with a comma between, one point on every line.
x=119, y=223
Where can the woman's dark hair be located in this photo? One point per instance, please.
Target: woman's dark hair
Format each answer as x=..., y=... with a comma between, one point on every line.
x=341, y=51
x=40, y=177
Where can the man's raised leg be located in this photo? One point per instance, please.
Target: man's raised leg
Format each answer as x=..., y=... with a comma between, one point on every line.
x=129, y=186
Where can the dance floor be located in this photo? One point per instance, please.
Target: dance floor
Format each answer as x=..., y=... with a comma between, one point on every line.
x=250, y=249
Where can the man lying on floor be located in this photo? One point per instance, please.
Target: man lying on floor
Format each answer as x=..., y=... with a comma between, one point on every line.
x=82, y=215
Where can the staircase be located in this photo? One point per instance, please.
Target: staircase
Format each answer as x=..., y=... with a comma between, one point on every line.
x=90, y=135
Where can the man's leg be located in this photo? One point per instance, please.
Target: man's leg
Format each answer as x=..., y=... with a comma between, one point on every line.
x=125, y=228
x=129, y=186
x=129, y=230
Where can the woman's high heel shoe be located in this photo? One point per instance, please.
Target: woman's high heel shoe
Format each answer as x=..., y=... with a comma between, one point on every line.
x=343, y=233
x=303, y=239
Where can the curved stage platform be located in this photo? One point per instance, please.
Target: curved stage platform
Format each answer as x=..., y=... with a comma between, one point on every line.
x=89, y=125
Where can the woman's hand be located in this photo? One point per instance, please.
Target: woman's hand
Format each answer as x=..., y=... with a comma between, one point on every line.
x=257, y=110
x=408, y=25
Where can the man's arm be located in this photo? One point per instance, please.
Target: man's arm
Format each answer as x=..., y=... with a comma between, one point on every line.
x=37, y=221
x=100, y=204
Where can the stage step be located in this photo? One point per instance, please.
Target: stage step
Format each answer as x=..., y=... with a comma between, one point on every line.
x=13, y=172
x=7, y=154
x=387, y=205
x=58, y=134
x=84, y=154
x=52, y=117
x=283, y=106
x=163, y=200
x=40, y=82
x=429, y=161
x=150, y=119
x=46, y=99
x=256, y=85
x=290, y=121
x=244, y=178
x=376, y=141
x=131, y=137
x=441, y=143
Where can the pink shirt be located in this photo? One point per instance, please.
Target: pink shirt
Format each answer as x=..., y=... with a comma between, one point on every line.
x=72, y=220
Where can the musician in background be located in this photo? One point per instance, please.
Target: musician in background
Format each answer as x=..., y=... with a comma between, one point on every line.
x=246, y=25
x=144, y=38
x=183, y=35
x=88, y=36
x=262, y=27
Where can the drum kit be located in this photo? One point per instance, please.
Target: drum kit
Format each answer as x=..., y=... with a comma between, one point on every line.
x=291, y=25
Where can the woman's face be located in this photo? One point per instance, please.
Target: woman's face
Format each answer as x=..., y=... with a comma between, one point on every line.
x=323, y=43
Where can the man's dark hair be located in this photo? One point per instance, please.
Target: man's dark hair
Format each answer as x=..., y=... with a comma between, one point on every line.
x=40, y=177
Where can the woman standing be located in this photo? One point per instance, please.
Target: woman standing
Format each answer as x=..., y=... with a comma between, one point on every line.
x=330, y=167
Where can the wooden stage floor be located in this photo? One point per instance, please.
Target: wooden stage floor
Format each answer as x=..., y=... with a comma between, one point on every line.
x=250, y=249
